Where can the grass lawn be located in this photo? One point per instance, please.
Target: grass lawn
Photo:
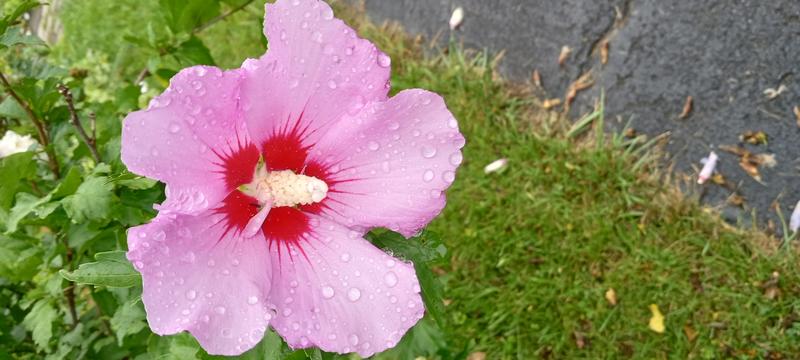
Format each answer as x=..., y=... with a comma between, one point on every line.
x=535, y=248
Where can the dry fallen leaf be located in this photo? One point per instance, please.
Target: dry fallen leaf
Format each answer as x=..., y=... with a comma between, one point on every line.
x=736, y=199
x=564, y=55
x=690, y=332
x=687, y=107
x=773, y=93
x=611, y=296
x=551, y=103
x=580, y=339
x=657, y=320
x=750, y=162
x=797, y=114
x=629, y=133
x=537, y=78
x=754, y=137
x=480, y=355
x=604, y=52
x=771, y=289
x=583, y=82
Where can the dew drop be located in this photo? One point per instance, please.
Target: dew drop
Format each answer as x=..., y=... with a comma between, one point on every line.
x=354, y=294
x=191, y=294
x=390, y=279
x=327, y=13
x=428, y=175
x=327, y=292
x=456, y=158
x=452, y=123
x=332, y=84
x=174, y=128
x=394, y=125
x=428, y=152
x=449, y=176
x=317, y=37
x=252, y=300
x=220, y=310
x=374, y=146
x=384, y=60
x=353, y=339
x=345, y=257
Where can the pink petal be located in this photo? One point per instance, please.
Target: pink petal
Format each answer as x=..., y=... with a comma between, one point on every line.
x=180, y=137
x=197, y=279
x=389, y=165
x=316, y=70
x=342, y=294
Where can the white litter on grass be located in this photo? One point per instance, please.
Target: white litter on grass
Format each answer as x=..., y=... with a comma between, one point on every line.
x=456, y=18
x=13, y=143
x=709, y=165
x=794, y=221
x=495, y=166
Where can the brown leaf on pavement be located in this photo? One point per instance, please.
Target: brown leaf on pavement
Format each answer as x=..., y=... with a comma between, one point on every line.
x=564, y=55
x=687, y=107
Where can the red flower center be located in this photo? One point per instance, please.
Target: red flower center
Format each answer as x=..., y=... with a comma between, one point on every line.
x=284, y=225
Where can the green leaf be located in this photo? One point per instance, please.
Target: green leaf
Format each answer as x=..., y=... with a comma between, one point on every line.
x=92, y=201
x=421, y=251
x=111, y=269
x=175, y=347
x=39, y=322
x=185, y=16
x=22, y=7
x=69, y=185
x=13, y=169
x=193, y=52
x=129, y=319
x=19, y=259
x=270, y=347
x=25, y=205
x=15, y=36
x=10, y=108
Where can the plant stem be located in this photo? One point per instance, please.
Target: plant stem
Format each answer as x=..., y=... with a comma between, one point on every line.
x=90, y=142
x=40, y=128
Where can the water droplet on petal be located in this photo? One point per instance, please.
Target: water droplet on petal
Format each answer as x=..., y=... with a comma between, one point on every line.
x=374, y=145
x=191, y=294
x=327, y=13
x=449, y=176
x=428, y=175
x=345, y=257
x=353, y=339
x=317, y=36
x=174, y=128
x=384, y=60
x=394, y=125
x=220, y=310
x=354, y=294
x=252, y=300
x=332, y=84
x=428, y=152
x=390, y=278
x=456, y=158
x=327, y=292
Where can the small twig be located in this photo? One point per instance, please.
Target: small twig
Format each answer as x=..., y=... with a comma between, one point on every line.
x=64, y=90
x=69, y=291
x=93, y=126
x=221, y=17
x=40, y=128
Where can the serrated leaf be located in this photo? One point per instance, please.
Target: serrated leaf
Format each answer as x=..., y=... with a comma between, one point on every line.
x=13, y=169
x=193, y=52
x=92, y=201
x=10, y=108
x=185, y=16
x=129, y=319
x=19, y=259
x=24, y=205
x=111, y=269
x=15, y=36
x=39, y=322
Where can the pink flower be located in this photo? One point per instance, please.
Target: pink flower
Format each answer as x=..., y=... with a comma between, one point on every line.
x=274, y=173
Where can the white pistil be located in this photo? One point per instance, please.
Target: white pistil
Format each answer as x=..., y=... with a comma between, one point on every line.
x=285, y=188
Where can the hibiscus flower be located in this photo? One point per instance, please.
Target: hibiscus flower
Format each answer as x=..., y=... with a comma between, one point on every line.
x=274, y=172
